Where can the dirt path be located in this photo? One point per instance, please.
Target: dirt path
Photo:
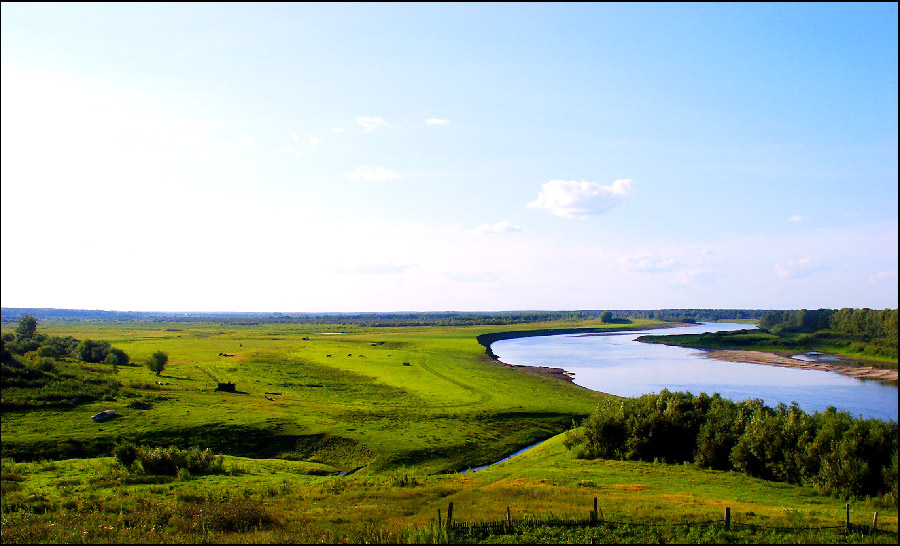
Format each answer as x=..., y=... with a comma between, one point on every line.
x=772, y=359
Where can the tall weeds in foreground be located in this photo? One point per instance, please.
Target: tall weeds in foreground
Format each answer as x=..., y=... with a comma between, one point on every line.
x=430, y=534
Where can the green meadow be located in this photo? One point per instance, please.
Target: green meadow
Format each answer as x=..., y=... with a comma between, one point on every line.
x=399, y=410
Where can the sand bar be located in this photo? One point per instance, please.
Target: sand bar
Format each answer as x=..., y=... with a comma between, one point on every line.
x=772, y=359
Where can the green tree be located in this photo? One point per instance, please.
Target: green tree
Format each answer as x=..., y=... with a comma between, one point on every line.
x=27, y=327
x=92, y=351
x=606, y=316
x=116, y=357
x=158, y=361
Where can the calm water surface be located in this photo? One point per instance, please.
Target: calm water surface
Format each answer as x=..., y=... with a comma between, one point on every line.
x=617, y=364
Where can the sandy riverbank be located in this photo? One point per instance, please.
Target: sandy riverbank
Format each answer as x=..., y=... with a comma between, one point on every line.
x=553, y=373
x=772, y=359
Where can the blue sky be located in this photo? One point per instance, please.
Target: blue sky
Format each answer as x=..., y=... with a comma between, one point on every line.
x=391, y=157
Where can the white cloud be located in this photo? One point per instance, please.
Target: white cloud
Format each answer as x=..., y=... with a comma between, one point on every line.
x=248, y=140
x=436, y=121
x=499, y=227
x=572, y=199
x=371, y=123
x=337, y=129
x=647, y=263
x=795, y=269
x=884, y=276
x=296, y=138
x=696, y=276
x=364, y=172
x=796, y=218
x=315, y=141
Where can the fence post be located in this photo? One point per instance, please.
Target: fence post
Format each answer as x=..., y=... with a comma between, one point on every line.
x=508, y=518
x=727, y=518
x=439, y=518
x=875, y=522
x=449, y=515
x=847, y=522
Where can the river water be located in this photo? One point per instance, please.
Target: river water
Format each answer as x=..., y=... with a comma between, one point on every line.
x=617, y=364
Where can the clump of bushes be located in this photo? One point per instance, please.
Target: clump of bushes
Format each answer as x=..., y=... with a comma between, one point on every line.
x=832, y=451
x=169, y=461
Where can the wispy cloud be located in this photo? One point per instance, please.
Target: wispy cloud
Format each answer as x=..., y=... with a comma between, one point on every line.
x=370, y=123
x=436, y=121
x=314, y=141
x=884, y=276
x=364, y=172
x=796, y=218
x=647, y=263
x=375, y=269
x=499, y=227
x=795, y=269
x=248, y=140
x=571, y=199
x=486, y=276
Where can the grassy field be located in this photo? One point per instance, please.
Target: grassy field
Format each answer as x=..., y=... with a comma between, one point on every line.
x=418, y=397
x=405, y=407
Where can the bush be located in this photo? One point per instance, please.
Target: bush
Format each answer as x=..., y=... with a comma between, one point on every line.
x=92, y=351
x=126, y=454
x=170, y=461
x=116, y=357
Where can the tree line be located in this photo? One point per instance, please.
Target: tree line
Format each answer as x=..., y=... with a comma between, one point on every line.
x=832, y=451
x=437, y=318
x=865, y=324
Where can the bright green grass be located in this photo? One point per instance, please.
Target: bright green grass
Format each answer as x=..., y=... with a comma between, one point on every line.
x=450, y=408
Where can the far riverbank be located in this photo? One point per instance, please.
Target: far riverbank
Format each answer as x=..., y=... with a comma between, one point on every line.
x=773, y=359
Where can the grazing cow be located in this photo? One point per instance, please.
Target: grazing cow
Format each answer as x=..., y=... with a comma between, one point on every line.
x=327, y=355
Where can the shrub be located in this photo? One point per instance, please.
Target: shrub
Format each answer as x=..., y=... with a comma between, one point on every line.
x=169, y=461
x=126, y=453
x=92, y=351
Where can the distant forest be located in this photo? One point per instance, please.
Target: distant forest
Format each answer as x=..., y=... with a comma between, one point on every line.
x=444, y=318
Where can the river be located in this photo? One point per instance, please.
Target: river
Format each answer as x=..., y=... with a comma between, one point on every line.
x=617, y=364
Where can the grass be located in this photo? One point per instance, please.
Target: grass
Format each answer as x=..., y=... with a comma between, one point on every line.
x=91, y=500
x=405, y=429
x=443, y=411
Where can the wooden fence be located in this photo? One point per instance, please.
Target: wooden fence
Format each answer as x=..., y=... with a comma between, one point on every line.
x=595, y=517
